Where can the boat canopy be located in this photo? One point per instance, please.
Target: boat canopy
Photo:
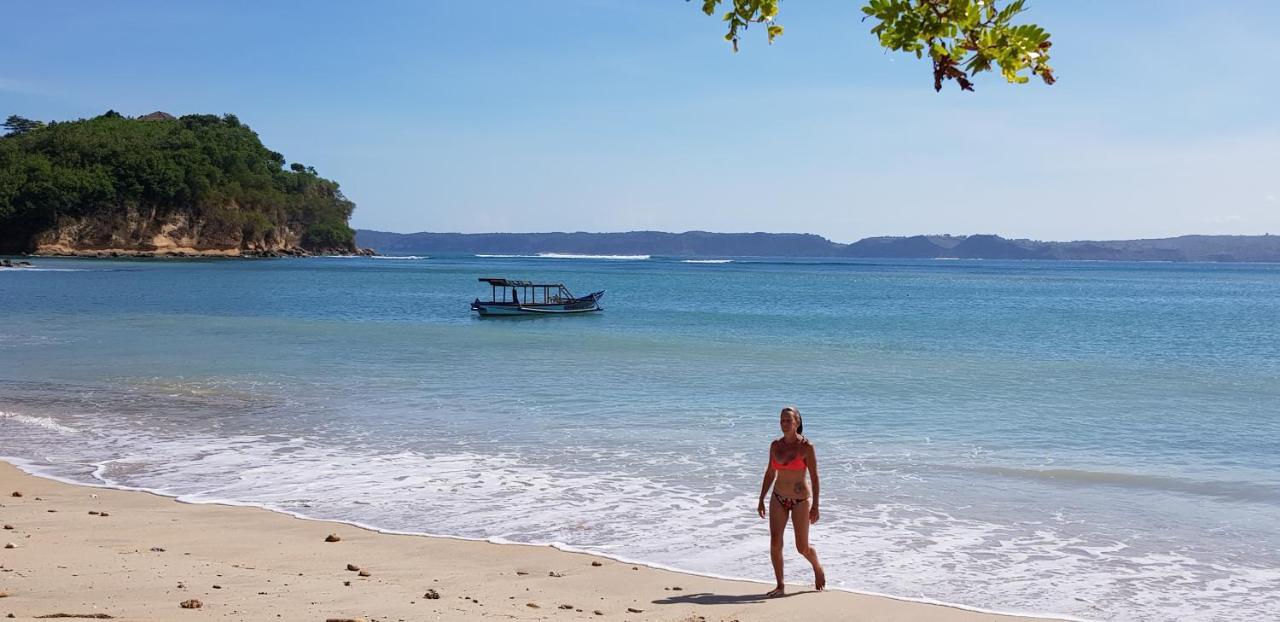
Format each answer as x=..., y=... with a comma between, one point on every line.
x=513, y=283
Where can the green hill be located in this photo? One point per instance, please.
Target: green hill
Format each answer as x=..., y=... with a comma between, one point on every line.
x=197, y=184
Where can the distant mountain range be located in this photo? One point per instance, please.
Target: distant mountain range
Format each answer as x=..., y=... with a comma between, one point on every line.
x=704, y=244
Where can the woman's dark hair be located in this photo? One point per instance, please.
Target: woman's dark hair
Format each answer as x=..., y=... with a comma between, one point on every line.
x=796, y=413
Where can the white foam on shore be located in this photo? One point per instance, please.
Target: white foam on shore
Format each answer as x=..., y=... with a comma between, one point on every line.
x=31, y=468
x=629, y=514
x=43, y=422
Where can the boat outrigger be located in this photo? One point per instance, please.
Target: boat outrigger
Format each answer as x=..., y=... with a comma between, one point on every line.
x=524, y=299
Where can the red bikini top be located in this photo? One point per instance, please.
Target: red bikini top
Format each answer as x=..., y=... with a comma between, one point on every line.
x=797, y=464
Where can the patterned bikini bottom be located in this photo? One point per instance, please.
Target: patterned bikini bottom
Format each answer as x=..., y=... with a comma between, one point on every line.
x=787, y=503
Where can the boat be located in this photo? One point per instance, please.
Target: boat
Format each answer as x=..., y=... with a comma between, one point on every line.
x=510, y=297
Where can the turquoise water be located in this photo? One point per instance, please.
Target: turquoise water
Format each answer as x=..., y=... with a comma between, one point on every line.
x=1089, y=439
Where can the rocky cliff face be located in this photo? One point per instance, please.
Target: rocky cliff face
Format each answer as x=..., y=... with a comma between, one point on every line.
x=147, y=233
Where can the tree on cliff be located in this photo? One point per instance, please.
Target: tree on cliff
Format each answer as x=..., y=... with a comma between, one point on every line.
x=209, y=170
x=20, y=125
x=961, y=37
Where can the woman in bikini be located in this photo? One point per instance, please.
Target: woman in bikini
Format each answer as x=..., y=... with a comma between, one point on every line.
x=789, y=458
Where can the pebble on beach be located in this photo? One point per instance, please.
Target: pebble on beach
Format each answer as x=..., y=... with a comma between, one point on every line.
x=191, y=604
x=332, y=538
x=17, y=494
x=364, y=573
x=10, y=546
x=431, y=594
x=8, y=526
x=596, y=564
x=353, y=568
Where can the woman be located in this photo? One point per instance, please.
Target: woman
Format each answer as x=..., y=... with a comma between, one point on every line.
x=789, y=458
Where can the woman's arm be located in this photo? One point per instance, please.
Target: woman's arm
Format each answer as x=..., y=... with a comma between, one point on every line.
x=812, y=461
x=769, y=475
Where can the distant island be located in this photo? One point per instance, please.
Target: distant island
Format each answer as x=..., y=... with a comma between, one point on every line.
x=1261, y=248
x=197, y=185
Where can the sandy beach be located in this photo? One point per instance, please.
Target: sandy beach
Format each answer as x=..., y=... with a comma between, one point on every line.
x=94, y=552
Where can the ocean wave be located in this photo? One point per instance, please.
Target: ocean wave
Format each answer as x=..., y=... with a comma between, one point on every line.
x=373, y=257
x=43, y=422
x=566, y=256
x=706, y=261
x=575, y=256
x=1230, y=490
x=33, y=269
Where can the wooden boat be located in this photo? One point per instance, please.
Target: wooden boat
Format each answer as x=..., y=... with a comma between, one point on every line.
x=510, y=297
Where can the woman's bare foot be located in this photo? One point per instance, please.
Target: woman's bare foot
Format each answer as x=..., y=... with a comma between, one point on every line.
x=819, y=578
x=776, y=592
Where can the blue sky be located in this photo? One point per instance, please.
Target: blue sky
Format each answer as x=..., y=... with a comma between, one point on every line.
x=613, y=115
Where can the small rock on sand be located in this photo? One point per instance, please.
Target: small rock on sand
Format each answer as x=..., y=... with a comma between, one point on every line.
x=634, y=610
x=191, y=604
x=364, y=573
x=4, y=594
x=8, y=526
x=10, y=546
x=598, y=612
x=332, y=538
x=353, y=568
x=103, y=514
x=94, y=512
x=532, y=605
x=596, y=564
x=344, y=620
x=17, y=493
x=554, y=574
x=431, y=594
x=566, y=606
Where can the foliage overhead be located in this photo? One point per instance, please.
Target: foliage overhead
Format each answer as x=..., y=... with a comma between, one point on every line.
x=213, y=169
x=962, y=37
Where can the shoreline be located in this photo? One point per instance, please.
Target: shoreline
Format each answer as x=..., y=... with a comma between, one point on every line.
x=478, y=580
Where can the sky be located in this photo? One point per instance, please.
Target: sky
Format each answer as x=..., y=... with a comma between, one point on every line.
x=620, y=115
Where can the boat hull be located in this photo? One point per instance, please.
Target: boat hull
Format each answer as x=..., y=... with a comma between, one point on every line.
x=586, y=304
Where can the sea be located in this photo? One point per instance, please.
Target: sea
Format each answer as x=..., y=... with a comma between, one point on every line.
x=1086, y=440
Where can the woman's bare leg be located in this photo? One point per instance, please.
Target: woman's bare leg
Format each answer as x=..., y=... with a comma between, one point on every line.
x=777, y=527
x=800, y=520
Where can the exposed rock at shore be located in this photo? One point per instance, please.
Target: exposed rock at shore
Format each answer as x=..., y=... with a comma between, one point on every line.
x=175, y=234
